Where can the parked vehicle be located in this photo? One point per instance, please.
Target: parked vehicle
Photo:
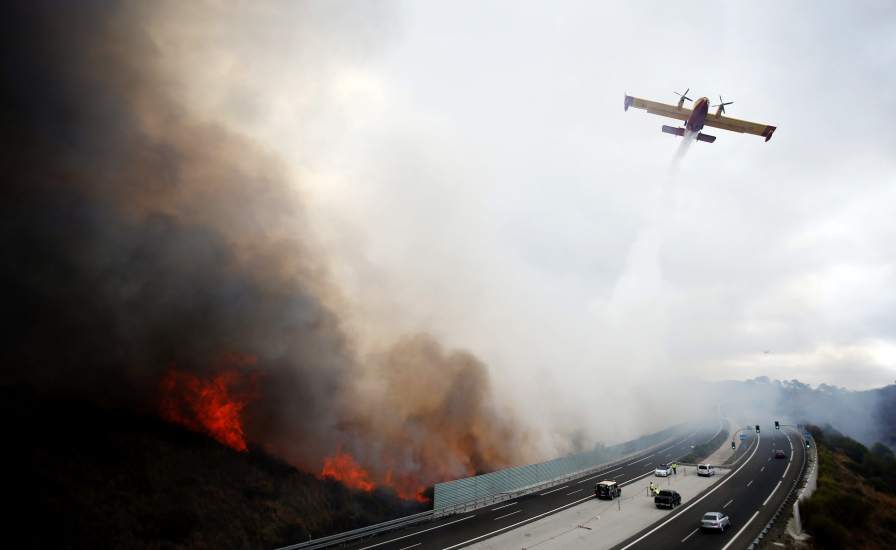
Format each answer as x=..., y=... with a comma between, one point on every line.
x=667, y=499
x=716, y=521
x=663, y=470
x=607, y=490
x=706, y=470
x=779, y=453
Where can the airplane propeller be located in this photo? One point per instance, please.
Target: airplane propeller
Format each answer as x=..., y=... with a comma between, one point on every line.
x=722, y=104
x=684, y=96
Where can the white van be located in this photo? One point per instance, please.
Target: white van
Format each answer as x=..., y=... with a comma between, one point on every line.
x=706, y=470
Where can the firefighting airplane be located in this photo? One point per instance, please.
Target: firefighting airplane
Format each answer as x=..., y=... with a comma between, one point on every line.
x=698, y=117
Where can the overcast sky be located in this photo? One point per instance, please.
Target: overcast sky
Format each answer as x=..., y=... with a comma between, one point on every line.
x=471, y=172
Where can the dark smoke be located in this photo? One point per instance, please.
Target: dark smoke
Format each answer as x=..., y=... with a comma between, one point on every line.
x=138, y=239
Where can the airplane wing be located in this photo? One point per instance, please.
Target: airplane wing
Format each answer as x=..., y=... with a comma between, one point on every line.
x=657, y=108
x=741, y=126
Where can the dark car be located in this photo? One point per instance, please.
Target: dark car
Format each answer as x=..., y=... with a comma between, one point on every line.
x=667, y=499
x=779, y=453
x=607, y=490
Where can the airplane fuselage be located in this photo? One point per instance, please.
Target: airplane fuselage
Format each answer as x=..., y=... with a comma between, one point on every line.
x=695, y=121
x=697, y=117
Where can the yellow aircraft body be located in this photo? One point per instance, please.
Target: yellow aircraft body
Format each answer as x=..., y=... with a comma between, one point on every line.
x=698, y=117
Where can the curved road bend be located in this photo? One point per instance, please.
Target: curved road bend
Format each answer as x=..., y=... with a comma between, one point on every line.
x=750, y=495
x=461, y=530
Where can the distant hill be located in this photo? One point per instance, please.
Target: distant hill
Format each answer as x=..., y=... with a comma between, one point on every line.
x=868, y=416
x=95, y=478
x=854, y=505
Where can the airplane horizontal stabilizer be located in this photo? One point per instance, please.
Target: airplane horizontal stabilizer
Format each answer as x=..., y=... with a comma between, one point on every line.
x=706, y=137
x=673, y=130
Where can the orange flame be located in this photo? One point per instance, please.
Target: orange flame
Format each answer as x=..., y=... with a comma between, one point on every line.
x=212, y=406
x=406, y=487
x=342, y=467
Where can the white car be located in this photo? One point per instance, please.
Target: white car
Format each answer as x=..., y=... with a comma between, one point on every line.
x=715, y=520
x=663, y=470
x=706, y=470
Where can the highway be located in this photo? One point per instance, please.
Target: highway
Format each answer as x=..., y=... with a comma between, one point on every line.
x=461, y=530
x=750, y=495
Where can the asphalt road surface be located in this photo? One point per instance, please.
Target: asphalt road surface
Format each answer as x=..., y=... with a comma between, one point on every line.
x=461, y=530
x=750, y=495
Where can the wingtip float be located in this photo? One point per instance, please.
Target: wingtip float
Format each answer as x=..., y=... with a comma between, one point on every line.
x=699, y=116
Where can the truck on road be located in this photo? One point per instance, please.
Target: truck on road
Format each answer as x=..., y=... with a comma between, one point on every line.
x=607, y=490
x=667, y=499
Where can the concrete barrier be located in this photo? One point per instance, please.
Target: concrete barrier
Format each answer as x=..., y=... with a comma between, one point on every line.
x=795, y=527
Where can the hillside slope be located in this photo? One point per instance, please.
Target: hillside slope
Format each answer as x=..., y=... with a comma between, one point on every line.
x=111, y=479
x=854, y=505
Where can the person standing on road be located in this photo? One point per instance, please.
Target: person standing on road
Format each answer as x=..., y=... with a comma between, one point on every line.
x=675, y=468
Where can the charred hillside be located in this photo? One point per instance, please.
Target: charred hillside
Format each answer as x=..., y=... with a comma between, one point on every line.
x=101, y=478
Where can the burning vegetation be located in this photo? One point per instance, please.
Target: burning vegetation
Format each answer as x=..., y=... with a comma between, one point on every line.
x=140, y=242
x=213, y=406
x=343, y=468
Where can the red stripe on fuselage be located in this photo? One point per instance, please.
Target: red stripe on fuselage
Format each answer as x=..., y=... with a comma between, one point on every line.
x=695, y=122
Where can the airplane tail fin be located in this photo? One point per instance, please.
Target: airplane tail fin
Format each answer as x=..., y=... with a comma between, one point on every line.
x=673, y=130
x=706, y=137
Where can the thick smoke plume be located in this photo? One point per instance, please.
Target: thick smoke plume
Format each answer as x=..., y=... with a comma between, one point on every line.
x=157, y=261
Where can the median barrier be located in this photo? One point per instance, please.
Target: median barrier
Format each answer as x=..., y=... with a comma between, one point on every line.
x=495, y=492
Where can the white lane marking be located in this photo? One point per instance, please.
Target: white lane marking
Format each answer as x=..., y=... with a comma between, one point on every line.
x=772, y=493
x=600, y=474
x=567, y=505
x=750, y=483
x=508, y=515
x=505, y=506
x=691, y=505
x=636, y=478
x=639, y=460
x=769, y=459
x=552, y=491
x=785, y=471
x=730, y=542
x=727, y=503
x=762, y=469
x=418, y=532
x=411, y=546
x=691, y=535
x=574, y=492
x=533, y=518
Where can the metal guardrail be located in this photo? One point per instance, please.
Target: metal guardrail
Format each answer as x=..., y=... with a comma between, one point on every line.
x=501, y=496
x=398, y=523
x=355, y=534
